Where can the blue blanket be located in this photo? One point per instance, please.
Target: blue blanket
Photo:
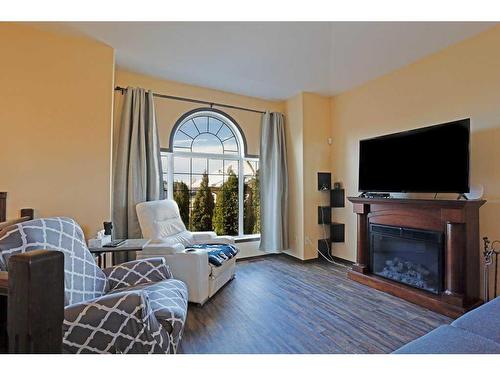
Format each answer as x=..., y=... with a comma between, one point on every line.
x=218, y=253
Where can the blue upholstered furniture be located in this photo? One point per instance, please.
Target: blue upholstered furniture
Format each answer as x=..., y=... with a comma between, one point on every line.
x=477, y=332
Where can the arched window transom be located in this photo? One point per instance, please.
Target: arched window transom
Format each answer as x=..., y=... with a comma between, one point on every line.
x=207, y=132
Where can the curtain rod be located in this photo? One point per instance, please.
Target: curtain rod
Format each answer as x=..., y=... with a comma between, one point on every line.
x=211, y=104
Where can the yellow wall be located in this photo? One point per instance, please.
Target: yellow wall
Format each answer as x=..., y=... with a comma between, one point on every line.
x=317, y=158
x=458, y=82
x=294, y=129
x=169, y=111
x=307, y=132
x=56, y=122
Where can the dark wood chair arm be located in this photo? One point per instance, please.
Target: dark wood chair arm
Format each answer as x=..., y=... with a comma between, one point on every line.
x=26, y=215
x=4, y=283
x=35, y=306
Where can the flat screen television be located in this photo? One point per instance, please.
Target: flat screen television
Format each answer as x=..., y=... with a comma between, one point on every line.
x=434, y=159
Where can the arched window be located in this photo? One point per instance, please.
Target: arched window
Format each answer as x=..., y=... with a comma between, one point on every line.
x=207, y=171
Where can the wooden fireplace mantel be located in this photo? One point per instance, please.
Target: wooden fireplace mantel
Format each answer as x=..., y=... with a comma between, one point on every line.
x=458, y=220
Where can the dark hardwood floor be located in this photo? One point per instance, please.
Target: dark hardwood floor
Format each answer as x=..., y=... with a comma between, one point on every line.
x=279, y=305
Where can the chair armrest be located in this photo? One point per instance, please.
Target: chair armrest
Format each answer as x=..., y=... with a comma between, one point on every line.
x=4, y=282
x=203, y=237
x=193, y=269
x=160, y=248
x=188, y=262
x=229, y=240
x=137, y=272
x=114, y=323
x=211, y=238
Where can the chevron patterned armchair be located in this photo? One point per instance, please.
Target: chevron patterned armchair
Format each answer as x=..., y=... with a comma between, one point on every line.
x=135, y=307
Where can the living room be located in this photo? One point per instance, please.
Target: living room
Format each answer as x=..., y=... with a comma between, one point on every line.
x=252, y=184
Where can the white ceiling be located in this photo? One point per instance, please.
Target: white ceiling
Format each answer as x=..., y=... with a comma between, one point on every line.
x=273, y=60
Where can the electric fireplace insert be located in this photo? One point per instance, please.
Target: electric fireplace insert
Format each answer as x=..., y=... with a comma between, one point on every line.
x=410, y=256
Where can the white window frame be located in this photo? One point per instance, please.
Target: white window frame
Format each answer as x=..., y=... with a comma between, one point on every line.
x=240, y=157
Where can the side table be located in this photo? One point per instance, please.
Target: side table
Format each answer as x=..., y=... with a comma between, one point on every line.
x=128, y=245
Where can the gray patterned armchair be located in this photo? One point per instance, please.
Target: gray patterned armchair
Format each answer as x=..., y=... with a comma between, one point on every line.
x=135, y=307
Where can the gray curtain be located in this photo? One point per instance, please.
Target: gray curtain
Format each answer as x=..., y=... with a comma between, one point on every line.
x=273, y=184
x=137, y=172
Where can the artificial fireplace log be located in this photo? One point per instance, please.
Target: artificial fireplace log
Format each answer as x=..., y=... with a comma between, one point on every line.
x=407, y=272
x=456, y=220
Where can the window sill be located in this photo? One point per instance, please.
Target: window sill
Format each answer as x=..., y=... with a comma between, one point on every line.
x=247, y=238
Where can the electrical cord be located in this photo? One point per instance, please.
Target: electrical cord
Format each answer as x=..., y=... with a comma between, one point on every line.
x=332, y=261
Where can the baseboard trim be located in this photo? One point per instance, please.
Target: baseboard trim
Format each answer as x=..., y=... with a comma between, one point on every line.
x=247, y=239
x=254, y=257
x=308, y=260
x=293, y=257
x=342, y=261
x=336, y=259
x=319, y=259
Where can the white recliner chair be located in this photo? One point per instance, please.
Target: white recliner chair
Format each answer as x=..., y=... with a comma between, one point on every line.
x=161, y=222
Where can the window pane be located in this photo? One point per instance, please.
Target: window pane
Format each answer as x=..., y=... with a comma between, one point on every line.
x=251, y=206
x=225, y=133
x=214, y=125
x=230, y=145
x=201, y=123
x=182, y=196
x=225, y=219
x=164, y=168
x=165, y=185
x=251, y=196
x=181, y=178
x=230, y=166
x=199, y=165
x=207, y=143
x=164, y=163
x=215, y=166
x=215, y=182
x=249, y=168
x=196, y=181
x=190, y=129
x=182, y=165
x=182, y=141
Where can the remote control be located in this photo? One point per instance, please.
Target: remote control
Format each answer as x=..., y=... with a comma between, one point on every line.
x=114, y=243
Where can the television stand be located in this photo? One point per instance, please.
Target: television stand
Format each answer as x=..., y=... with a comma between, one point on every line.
x=374, y=195
x=460, y=196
